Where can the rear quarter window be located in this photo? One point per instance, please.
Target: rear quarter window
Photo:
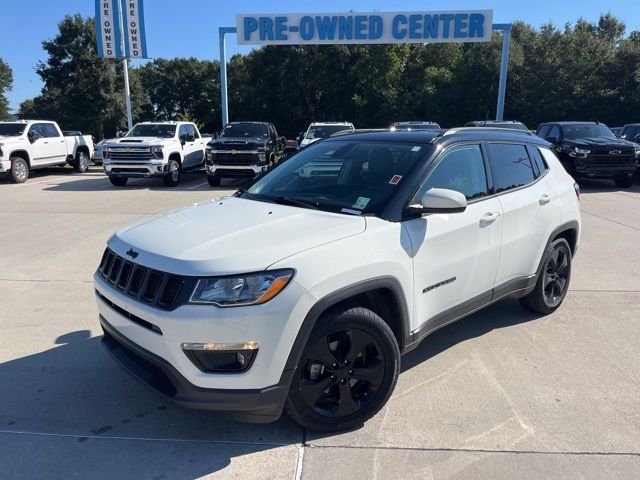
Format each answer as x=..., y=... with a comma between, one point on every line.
x=510, y=166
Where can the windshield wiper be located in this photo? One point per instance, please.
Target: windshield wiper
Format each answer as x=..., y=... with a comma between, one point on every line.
x=295, y=202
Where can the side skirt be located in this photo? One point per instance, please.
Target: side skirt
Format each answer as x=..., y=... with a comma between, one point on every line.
x=517, y=288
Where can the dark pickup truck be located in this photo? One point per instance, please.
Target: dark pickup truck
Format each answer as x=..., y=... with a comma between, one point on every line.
x=591, y=150
x=244, y=149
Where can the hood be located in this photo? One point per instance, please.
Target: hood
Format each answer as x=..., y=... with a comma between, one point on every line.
x=138, y=141
x=600, y=143
x=12, y=139
x=308, y=141
x=230, y=235
x=239, y=141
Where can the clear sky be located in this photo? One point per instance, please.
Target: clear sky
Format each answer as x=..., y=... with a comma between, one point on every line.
x=182, y=28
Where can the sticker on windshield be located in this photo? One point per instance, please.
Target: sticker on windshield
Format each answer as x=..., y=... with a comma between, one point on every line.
x=352, y=212
x=361, y=203
x=416, y=149
x=395, y=180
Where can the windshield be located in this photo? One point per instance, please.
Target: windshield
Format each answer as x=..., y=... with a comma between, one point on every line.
x=239, y=130
x=11, y=129
x=324, y=131
x=588, y=130
x=162, y=130
x=351, y=177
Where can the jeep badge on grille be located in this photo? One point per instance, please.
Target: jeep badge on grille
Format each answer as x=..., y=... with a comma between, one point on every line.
x=132, y=253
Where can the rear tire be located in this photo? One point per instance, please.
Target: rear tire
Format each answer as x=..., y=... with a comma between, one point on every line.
x=347, y=371
x=19, y=172
x=81, y=164
x=624, y=182
x=214, y=181
x=172, y=178
x=553, y=282
x=118, y=181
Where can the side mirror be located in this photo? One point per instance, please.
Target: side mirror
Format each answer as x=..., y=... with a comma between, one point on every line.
x=636, y=139
x=441, y=200
x=553, y=140
x=119, y=134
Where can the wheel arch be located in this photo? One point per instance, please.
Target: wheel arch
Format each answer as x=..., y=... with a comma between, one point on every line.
x=21, y=154
x=569, y=231
x=383, y=295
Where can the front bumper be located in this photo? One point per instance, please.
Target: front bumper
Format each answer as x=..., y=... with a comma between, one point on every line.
x=136, y=170
x=5, y=166
x=222, y=170
x=257, y=405
x=588, y=168
x=274, y=325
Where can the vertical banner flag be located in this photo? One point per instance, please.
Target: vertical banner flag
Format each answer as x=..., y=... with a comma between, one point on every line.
x=135, y=44
x=108, y=28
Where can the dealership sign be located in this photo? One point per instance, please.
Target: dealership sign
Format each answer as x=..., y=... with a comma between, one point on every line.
x=118, y=20
x=351, y=28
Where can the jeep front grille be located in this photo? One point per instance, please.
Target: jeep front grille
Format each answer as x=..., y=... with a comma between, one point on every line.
x=162, y=290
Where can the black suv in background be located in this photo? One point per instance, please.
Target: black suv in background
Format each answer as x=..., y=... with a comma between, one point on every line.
x=244, y=149
x=591, y=150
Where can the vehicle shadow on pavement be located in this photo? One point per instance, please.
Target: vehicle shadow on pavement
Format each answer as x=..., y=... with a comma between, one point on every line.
x=503, y=314
x=597, y=186
x=85, y=415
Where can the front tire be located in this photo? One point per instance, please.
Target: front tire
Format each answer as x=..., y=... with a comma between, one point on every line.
x=553, y=282
x=346, y=373
x=118, y=181
x=172, y=179
x=213, y=181
x=19, y=172
x=81, y=165
x=624, y=182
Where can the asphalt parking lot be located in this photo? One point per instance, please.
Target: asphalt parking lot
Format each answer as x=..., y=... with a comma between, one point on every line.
x=500, y=394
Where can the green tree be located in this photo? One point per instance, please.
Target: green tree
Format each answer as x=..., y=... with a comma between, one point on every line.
x=6, y=84
x=81, y=90
x=182, y=88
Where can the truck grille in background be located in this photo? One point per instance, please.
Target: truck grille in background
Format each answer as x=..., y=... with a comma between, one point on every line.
x=131, y=154
x=160, y=289
x=606, y=159
x=235, y=159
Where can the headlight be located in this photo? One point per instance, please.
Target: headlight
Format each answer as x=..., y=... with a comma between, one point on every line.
x=235, y=291
x=578, y=152
x=157, y=151
x=637, y=152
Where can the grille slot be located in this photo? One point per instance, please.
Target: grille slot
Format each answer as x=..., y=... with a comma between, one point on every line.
x=115, y=269
x=160, y=289
x=153, y=285
x=125, y=275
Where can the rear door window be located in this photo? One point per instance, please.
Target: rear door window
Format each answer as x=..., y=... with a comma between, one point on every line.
x=50, y=131
x=510, y=166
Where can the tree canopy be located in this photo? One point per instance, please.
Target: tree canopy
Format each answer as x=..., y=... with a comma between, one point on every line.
x=6, y=83
x=581, y=71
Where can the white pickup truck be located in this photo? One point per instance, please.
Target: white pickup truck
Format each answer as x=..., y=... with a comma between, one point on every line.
x=154, y=149
x=27, y=145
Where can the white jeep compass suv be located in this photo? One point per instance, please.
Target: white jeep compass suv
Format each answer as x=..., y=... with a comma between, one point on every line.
x=302, y=291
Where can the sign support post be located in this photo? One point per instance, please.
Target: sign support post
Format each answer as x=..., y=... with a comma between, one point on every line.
x=125, y=68
x=224, y=102
x=504, y=66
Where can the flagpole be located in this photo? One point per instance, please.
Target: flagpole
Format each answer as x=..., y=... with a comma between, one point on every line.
x=125, y=68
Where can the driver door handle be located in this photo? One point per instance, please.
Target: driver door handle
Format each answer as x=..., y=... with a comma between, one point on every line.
x=488, y=218
x=544, y=199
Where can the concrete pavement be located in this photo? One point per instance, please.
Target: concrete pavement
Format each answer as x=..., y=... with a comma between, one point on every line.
x=501, y=394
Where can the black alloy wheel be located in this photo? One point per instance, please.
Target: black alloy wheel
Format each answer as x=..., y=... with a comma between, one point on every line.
x=553, y=281
x=342, y=373
x=556, y=276
x=346, y=373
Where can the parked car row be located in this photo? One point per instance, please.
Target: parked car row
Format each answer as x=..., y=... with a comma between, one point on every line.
x=246, y=149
